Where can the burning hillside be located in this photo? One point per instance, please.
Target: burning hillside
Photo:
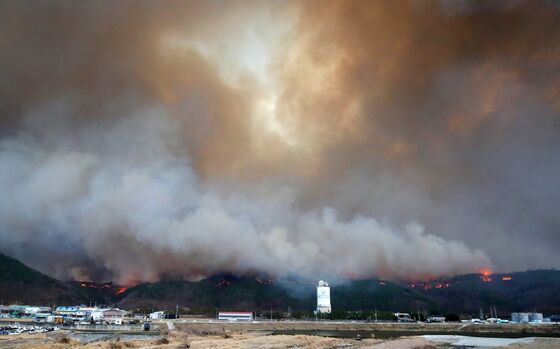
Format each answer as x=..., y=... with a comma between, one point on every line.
x=433, y=284
x=114, y=289
x=486, y=275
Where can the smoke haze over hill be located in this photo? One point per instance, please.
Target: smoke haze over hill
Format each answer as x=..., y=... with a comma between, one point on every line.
x=397, y=139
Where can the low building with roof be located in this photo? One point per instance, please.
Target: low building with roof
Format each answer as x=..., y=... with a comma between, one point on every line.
x=114, y=316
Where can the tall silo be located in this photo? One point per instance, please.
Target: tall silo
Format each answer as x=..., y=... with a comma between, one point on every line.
x=323, y=297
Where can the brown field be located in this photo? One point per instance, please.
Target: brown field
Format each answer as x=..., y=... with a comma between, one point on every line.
x=182, y=339
x=227, y=339
x=205, y=326
x=201, y=334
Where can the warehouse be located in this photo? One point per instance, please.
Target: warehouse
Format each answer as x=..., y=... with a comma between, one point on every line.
x=235, y=316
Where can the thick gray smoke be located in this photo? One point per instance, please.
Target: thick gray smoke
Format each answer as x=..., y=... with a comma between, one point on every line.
x=140, y=141
x=119, y=200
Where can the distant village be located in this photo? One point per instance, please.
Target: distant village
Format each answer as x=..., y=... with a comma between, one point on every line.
x=78, y=314
x=98, y=315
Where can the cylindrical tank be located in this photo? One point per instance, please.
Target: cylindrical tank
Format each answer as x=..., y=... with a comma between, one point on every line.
x=520, y=317
x=535, y=317
x=323, y=297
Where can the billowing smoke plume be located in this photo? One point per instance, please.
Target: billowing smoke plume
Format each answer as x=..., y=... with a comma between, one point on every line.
x=397, y=139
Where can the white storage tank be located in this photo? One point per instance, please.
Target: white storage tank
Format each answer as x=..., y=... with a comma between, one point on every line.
x=535, y=317
x=520, y=317
x=323, y=297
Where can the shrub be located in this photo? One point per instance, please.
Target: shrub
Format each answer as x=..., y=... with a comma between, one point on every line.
x=162, y=340
x=64, y=340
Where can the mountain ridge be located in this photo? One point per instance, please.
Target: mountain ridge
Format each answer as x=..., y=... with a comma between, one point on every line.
x=463, y=294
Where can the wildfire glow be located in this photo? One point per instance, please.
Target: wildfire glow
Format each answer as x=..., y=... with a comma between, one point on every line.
x=485, y=275
x=506, y=278
x=108, y=285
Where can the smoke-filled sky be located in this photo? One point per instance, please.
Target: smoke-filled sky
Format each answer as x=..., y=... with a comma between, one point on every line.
x=397, y=139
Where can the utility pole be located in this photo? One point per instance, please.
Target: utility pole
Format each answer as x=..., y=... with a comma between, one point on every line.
x=270, y=314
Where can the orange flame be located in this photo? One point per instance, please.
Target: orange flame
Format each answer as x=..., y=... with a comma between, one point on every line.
x=120, y=290
x=485, y=275
x=506, y=278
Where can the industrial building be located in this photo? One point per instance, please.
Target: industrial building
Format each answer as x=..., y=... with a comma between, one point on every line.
x=235, y=316
x=85, y=314
x=157, y=315
x=73, y=314
x=24, y=310
x=35, y=310
x=323, y=298
x=404, y=317
x=435, y=318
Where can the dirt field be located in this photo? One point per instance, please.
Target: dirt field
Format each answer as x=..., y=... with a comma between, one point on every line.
x=184, y=339
x=205, y=326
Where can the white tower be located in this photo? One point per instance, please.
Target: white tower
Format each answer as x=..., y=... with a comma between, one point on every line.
x=323, y=297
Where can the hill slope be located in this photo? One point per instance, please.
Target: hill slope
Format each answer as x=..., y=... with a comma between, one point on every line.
x=21, y=284
x=465, y=294
x=251, y=293
x=225, y=292
x=522, y=291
